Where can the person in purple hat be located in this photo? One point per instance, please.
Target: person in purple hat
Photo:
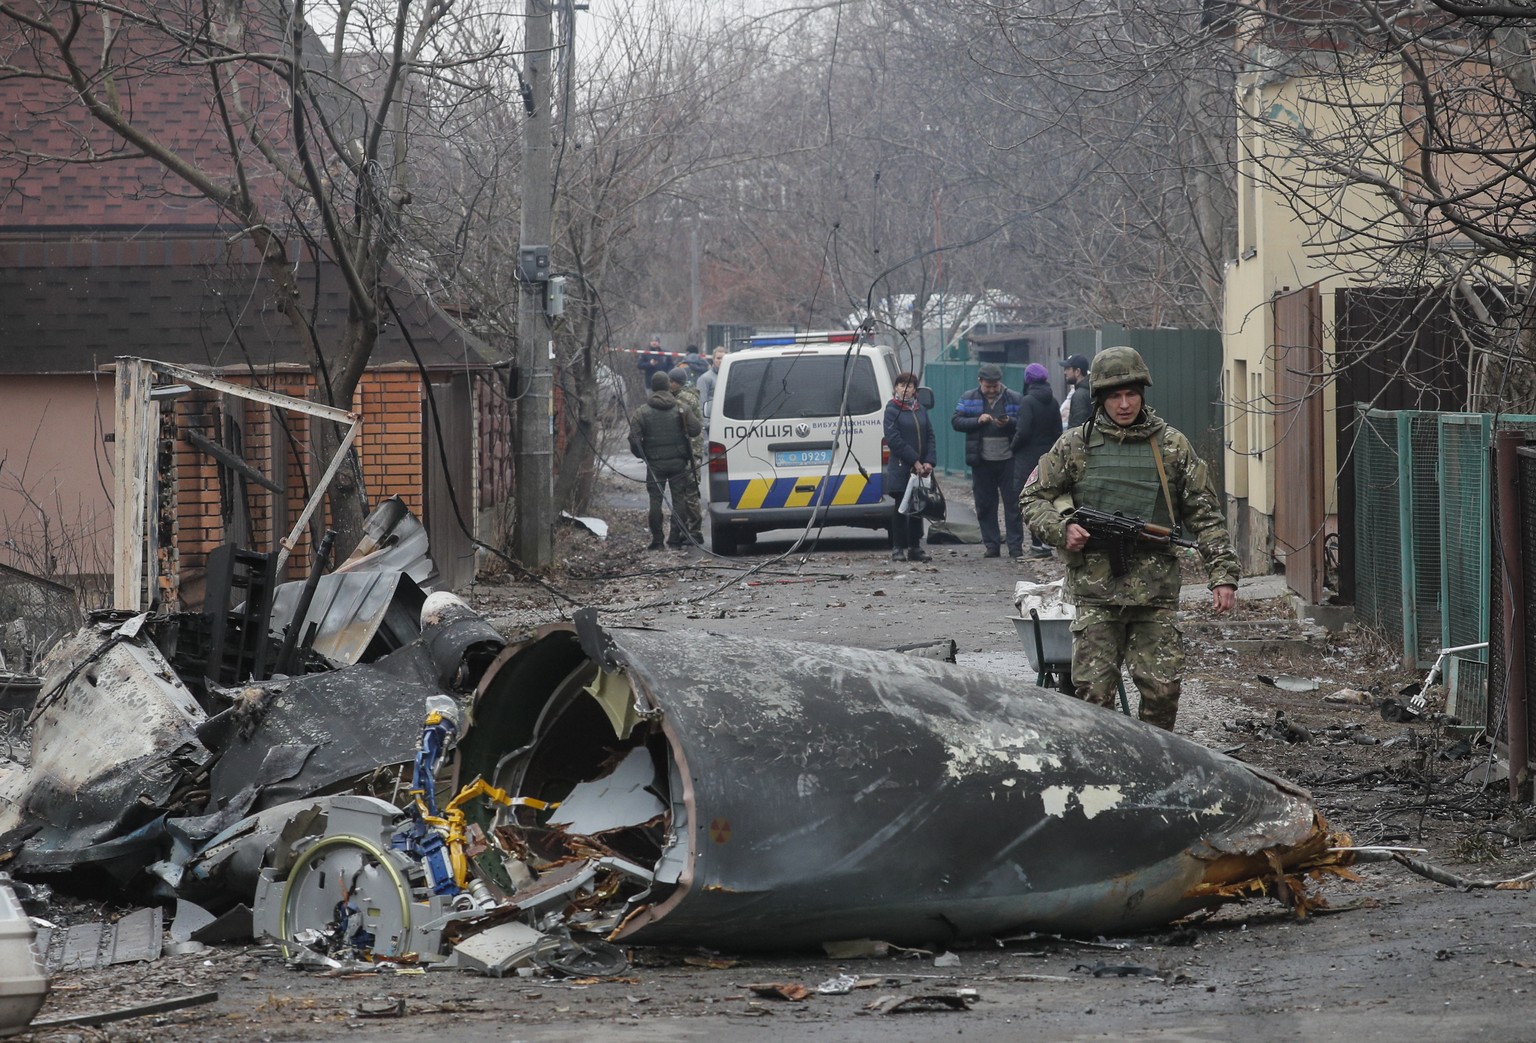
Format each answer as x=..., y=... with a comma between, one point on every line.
x=1038, y=428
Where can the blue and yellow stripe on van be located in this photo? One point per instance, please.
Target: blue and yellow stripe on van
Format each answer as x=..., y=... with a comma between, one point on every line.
x=839, y=490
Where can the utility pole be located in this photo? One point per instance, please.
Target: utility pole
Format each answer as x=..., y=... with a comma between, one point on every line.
x=535, y=408
x=693, y=282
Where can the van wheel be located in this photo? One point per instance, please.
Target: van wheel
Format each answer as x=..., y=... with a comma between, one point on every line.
x=722, y=539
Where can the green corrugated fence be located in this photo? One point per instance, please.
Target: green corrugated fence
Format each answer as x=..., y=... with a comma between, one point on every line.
x=1421, y=540
x=1186, y=386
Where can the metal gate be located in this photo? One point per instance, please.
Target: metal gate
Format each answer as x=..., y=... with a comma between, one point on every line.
x=1301, y=504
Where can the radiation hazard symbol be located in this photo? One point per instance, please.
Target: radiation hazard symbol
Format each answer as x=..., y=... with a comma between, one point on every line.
x=720, y=830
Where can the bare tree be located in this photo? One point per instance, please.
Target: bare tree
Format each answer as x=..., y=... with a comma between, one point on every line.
x=852, y=192
x=921, y=151
x=631, y=131
x=1401, y=136
x=306, y=145
x=1120, y=117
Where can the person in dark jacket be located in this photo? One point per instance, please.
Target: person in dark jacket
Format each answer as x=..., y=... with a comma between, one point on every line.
x=1038, y=428
x=988, y=416
x=1077, y=407
x=909, y=436
x=661, y=434
x=652, y=361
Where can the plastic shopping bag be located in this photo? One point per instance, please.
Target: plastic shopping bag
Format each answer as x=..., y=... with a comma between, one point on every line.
x=915, y=502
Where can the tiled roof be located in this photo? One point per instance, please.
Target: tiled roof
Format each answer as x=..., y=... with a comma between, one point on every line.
x=118, y=257
x=57, y=188
x=69, y=307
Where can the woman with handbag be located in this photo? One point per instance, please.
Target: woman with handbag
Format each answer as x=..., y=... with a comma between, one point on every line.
x=909, y=437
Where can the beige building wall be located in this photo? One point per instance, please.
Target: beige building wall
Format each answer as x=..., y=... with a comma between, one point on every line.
x=1278, y=252
x=54, y=506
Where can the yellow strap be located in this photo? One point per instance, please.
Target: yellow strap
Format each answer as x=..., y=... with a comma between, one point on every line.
x=536, y=805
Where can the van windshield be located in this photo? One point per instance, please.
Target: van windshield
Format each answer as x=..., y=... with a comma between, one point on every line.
x=800, y=386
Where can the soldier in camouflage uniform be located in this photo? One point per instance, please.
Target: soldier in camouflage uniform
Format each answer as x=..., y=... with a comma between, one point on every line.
x=688, y=398
x=688, y=401
x=1112, y=464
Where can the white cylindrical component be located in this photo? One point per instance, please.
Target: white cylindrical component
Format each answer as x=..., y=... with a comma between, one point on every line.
x=482, y=895
x=442, y=606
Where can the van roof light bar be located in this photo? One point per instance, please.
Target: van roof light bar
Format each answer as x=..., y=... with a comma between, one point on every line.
x=779, y=340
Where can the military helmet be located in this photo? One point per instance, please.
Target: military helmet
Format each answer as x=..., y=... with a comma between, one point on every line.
x=1118, y=367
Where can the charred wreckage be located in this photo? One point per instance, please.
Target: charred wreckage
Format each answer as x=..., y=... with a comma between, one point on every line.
x=361, y=770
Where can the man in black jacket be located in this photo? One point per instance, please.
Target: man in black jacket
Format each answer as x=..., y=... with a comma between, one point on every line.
x=652, y=361
x=1038, y=428
x=1077, y=407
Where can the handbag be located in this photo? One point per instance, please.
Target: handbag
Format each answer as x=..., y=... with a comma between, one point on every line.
x=935, y=509
x=924, y=499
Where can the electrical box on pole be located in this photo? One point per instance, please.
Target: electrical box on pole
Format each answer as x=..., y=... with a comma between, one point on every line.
x=533, y=263
x=554, y=296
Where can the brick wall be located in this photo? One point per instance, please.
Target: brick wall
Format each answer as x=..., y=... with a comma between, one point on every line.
x=390, y=443
x=389, y=446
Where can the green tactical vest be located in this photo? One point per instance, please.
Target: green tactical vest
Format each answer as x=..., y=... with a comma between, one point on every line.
x=1121, y=478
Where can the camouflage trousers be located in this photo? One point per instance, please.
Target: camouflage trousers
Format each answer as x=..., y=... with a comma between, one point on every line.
x=687, y=519
x=1146, y=640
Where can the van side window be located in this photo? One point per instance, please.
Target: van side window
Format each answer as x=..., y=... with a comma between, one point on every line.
x=800, y=386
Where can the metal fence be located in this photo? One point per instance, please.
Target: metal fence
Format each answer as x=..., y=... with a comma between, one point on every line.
x=1464, y=554
x=35, y=613
x=1378, y=546
x=1422, y=538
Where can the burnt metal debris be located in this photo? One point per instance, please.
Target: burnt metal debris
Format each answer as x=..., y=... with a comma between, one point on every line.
x=420, y=790
x=768, y=794
x=136, y=757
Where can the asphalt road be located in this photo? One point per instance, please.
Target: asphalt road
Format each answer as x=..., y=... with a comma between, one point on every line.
x=1410, y=962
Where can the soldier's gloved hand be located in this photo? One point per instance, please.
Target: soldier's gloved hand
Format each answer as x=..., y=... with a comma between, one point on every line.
x=1224, y=598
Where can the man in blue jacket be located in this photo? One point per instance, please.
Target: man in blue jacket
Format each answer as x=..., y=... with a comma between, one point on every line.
x=988, y=415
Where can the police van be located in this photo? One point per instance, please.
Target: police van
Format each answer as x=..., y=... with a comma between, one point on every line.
x=796, y=436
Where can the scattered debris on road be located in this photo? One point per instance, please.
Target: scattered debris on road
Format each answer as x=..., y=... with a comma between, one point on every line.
x=923, y=1002
x=605, y=786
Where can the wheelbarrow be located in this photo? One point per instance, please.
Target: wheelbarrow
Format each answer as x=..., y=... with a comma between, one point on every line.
x=1048, y=647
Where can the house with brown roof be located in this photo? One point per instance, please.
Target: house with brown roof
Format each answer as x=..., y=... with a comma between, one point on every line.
x=105, y=253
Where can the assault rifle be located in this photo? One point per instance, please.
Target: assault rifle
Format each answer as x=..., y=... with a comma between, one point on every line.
x=1115, y=534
